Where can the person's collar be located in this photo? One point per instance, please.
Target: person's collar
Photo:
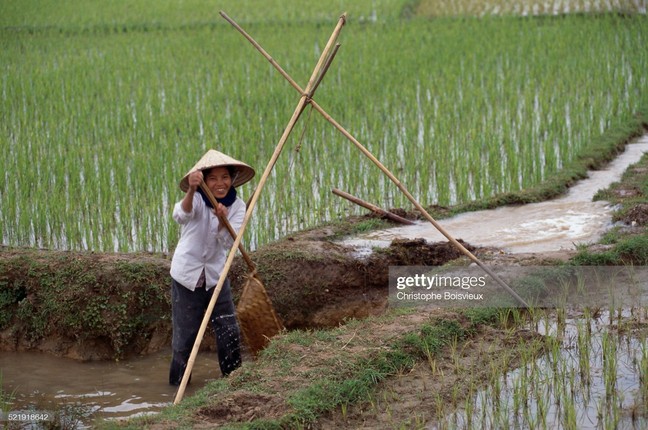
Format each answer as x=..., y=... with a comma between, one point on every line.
x=228, y=200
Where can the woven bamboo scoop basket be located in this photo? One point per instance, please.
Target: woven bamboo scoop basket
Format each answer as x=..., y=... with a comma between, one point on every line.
x=258, y=319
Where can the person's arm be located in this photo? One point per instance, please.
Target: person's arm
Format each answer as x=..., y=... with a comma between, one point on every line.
x=194, y=179
x=183, y=211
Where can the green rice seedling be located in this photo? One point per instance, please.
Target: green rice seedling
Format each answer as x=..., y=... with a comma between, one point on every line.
x=608, y=414
x=541, y=409
x=584, y=351
x=439, y=409
x=456, y=356
x=609, y=349
x=643, y=372
x=433, y=364
x=503, y=317
x=569, y=419
x=497, y=389
x=520, y=400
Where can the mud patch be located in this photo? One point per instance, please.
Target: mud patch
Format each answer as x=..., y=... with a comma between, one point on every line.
x=241, y=407
x=636, y=216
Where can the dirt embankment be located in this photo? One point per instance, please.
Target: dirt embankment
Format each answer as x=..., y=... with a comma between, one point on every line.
x=92, y=306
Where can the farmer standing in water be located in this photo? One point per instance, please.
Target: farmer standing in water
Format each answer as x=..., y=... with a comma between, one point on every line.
x=199, y=259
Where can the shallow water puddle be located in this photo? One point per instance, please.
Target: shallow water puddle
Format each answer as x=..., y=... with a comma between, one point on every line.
x=553, y=225
x=41, y=382
x=593, y=377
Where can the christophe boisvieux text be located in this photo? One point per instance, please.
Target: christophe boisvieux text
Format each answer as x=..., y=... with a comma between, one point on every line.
x=465, y=282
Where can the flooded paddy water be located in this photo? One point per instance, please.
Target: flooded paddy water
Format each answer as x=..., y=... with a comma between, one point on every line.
x=593, y=376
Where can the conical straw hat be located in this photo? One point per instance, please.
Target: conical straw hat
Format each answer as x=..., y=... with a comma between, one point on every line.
x=213, y=158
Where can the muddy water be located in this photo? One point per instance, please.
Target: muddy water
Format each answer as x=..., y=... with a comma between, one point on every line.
x=539, y=227
x=104, y=389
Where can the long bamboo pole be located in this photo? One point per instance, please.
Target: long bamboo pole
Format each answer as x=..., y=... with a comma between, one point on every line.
x=303, y=101
x=384, y=169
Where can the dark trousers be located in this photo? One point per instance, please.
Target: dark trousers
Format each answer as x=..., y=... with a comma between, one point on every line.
x=187, y=311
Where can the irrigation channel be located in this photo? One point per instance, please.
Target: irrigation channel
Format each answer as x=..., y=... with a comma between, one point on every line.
x=138, y=386
x=548, y=226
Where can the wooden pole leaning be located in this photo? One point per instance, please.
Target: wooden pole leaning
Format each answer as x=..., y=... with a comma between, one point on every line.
x=303, y=101
x=373, y=208
x=384, y=169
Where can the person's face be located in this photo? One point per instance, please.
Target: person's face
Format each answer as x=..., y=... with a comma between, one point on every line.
x=218, y=181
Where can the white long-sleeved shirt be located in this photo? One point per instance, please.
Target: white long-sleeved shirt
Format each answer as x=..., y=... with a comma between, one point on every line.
x=202, y=245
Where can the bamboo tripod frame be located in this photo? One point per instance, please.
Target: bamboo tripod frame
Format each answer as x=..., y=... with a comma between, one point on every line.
x=307, y=93
x=369, y=155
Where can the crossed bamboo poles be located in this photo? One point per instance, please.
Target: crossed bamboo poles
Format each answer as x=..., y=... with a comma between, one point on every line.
x=324, y=62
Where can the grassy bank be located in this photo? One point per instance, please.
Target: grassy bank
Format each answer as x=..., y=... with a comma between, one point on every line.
x=628, y=242
x=303, y=376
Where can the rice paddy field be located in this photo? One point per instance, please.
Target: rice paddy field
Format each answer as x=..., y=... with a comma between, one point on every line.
x=104, y=106
x=592, y=375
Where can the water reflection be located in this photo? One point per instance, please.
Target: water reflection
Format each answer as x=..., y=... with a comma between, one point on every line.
x=105, y=389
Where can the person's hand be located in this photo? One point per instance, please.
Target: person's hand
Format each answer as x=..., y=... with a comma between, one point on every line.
x=220, y=211
x=195, y=179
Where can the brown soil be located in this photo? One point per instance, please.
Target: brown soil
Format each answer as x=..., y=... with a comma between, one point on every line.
x=637, y=216
x=241, y=407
